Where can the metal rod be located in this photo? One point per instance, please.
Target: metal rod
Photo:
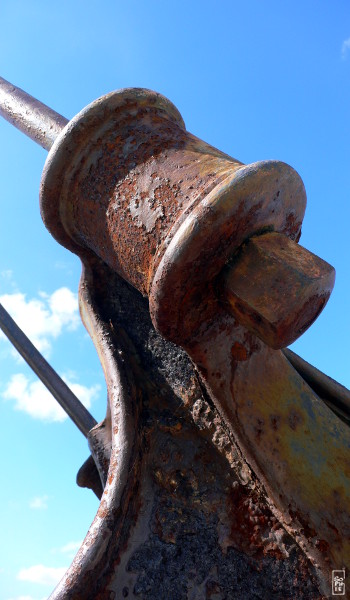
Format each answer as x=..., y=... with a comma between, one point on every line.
x=58, y=388
x=35, y=119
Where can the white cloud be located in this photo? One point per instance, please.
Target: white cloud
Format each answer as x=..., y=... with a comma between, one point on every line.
x=39, y=502
x=6, y=274
x=61, y=265
x=23, y=598
x=35, y=400
x=7, y=281
x=43, y=319
x=42, y=574
x=71, y=547
x=345, y=48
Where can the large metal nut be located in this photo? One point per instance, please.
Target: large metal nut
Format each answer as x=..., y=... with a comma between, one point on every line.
x=276, y=288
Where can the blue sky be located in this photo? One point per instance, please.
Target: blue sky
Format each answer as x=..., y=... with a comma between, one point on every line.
x=258, y=80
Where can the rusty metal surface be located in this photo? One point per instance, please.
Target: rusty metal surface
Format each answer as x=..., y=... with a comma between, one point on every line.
x=88, y=476
x=276, y=288
x=294, y=444
x=139, y=171
x=35, y=119
x=182, y=516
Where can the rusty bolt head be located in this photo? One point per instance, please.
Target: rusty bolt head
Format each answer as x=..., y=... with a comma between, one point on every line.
x=276, y=288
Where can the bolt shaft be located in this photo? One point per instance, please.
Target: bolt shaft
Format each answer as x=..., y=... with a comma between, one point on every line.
x=35, y=119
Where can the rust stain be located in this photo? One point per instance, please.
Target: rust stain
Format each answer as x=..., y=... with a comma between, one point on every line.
x=239, y=352
x=254, y=529
x=295, y=418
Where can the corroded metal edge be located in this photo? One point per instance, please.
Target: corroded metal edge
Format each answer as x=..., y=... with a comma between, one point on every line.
x=105, y=532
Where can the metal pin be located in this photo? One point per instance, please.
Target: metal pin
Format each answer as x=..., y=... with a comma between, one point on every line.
x=53, y=382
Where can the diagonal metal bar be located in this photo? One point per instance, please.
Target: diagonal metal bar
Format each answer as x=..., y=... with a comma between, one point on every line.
x=335, y=395
x=35, y=119
x=58, y=388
